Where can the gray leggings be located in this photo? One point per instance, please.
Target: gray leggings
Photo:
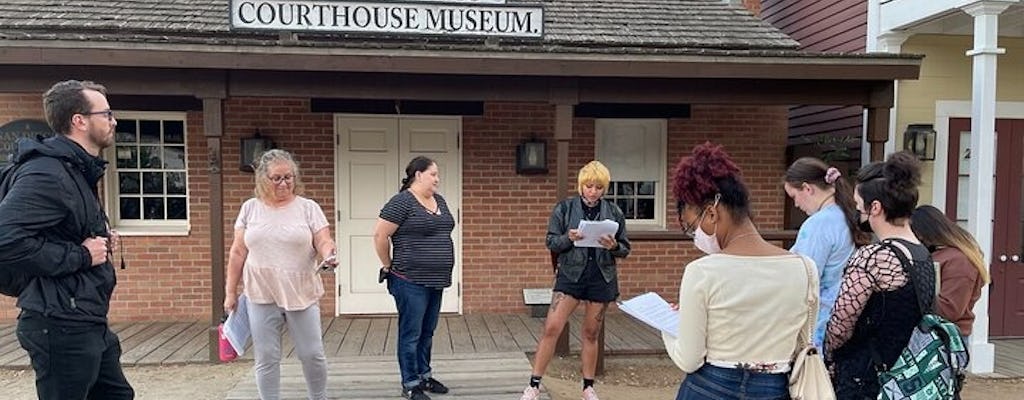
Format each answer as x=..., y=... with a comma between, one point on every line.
x=267, y=322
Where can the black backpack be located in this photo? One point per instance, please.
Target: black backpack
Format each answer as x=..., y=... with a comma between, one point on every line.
x=12, y=281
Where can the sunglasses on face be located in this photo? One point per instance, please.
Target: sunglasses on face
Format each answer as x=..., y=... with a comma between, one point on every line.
x=279, y=179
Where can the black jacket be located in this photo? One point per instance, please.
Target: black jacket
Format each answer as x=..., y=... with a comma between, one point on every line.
x=567, y=215
x=51, y=207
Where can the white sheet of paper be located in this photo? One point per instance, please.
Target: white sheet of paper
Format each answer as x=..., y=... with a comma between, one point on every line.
x=653, y=310
x=236, y=328
x=593, y=230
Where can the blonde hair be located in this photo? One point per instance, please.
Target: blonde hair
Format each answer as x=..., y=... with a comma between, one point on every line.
x=264, y=186
x=593, y=172
x=932, y=228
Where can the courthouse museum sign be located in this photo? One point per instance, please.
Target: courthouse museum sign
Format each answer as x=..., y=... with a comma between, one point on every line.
x=450, y=17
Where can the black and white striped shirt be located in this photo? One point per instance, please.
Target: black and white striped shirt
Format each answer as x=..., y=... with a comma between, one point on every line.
x=422, y=251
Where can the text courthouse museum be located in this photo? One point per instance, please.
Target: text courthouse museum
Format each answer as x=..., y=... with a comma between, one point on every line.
x=355, y=89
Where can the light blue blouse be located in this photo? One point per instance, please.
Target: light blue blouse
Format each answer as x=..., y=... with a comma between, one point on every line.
x=825, y=238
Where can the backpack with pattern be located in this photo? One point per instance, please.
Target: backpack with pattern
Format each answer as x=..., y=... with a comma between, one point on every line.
x=933, y=364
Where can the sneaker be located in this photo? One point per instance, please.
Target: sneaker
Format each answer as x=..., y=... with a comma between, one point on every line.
x=415, y=393
x=589, y=394
x=433, y=386
x=530, y=393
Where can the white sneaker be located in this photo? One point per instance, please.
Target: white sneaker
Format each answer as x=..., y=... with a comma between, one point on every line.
x=589, y=394
x=530, y=393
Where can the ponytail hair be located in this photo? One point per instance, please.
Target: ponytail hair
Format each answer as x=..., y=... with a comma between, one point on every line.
x=418, y=164
x=813, y=171
x=933, y=229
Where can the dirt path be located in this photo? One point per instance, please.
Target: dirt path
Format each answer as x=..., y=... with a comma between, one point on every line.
x=647, y=378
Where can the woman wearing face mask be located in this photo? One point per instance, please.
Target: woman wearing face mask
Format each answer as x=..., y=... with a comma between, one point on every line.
x=586, y=275
x=830, y=233
x=881, y=298
x=741, y=306
x=963, y=270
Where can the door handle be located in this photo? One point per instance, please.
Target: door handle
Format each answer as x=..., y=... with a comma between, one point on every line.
x=1002, y=258
x=1015, y=258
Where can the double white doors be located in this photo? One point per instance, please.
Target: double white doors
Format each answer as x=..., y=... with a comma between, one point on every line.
x=372, y=153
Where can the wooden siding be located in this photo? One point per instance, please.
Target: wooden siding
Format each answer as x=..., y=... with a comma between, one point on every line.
x=822, y=26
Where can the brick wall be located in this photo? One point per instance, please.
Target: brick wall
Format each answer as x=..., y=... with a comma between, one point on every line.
x=504, y=214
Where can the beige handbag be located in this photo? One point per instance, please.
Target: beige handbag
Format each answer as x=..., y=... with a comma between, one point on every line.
x=809, y=378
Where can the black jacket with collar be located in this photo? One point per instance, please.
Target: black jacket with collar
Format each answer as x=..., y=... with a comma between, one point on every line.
x=50, y=208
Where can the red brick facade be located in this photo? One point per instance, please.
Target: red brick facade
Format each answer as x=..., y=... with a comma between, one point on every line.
x=504, y=215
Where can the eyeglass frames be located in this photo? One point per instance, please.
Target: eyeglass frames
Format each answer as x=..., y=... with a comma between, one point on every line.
x=108, y=113
x=279, y=179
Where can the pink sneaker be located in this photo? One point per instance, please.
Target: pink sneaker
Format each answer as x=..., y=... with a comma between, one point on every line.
x=589, y=394
x=530, y=393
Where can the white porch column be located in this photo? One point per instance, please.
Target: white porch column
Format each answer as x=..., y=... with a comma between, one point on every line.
x=982, y=164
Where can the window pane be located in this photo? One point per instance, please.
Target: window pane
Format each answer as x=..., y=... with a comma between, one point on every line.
x=154, y=207
x=153, y=183
x=149, y=131
x=177, y=208
x=624, y=188
x=150, y=157
x=610, y=191
x=126, y=131
x=646, y=188
x=174, y=157
x=645, y=209
x=627, y=207
x=175, y=183
x=128, y=182
x=127, y=157
x=174, y=132
x=129, y=208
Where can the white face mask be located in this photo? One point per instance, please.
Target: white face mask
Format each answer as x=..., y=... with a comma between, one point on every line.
x=706, y=243
x=703, y=241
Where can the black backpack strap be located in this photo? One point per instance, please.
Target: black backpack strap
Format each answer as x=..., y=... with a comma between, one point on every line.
x=918, y=274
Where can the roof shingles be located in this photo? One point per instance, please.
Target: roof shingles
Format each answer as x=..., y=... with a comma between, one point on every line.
x=569, y=24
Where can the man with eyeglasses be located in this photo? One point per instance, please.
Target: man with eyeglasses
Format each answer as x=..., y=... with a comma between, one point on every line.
x=54, y=238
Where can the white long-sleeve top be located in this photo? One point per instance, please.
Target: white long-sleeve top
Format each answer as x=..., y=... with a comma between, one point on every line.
x=741, y=310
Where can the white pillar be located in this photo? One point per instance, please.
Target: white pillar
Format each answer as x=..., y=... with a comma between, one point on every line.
x=982, y=165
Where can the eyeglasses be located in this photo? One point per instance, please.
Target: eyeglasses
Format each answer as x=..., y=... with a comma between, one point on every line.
x=108, y=113
x=688, y=228
x=279, y=179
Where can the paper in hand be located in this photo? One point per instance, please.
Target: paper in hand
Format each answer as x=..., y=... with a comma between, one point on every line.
x=594, y=230
x=653, y=310
x=236, y=327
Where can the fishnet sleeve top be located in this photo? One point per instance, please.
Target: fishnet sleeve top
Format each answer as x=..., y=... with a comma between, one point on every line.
x=873, y=268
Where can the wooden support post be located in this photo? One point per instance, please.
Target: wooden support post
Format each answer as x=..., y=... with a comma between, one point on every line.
x=878, y=131
x=563, y=135
x=213, y=128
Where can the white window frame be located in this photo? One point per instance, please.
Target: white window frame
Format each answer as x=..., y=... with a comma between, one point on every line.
x=112, y=186
x=659, y=176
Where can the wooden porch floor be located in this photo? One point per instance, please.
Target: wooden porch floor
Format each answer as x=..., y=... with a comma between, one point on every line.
x=154, y=343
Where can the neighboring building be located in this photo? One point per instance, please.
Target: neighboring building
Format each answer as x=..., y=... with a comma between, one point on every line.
x=634, y=83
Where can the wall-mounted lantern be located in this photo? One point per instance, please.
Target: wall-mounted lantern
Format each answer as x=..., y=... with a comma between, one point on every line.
x=919, y=139
x=532, y=157
x=251, y=148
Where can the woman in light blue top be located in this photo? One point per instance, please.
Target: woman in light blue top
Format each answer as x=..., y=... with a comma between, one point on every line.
x=830, y=234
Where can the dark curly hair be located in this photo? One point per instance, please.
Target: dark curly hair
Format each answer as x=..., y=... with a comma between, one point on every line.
x=893, y=183
x=706, y=172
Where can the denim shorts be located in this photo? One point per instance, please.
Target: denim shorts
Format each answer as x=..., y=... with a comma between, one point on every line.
x=717, y=383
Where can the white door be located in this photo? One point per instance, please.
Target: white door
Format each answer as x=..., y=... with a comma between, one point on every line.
x=372, y=152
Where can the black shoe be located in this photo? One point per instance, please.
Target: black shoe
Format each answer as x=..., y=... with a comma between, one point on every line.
x=415, y=393
x=433, y=386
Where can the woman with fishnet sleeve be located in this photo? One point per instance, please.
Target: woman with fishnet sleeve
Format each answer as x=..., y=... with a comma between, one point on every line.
x=877, y=307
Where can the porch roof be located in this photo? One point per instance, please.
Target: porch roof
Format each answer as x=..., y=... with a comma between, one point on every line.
x=603, y=38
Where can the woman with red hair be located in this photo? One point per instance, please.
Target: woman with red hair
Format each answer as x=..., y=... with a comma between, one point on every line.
x=742, y=305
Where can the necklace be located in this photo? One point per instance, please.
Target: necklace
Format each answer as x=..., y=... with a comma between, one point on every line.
x=733, y=239
x=424, y=200
x=823, y=201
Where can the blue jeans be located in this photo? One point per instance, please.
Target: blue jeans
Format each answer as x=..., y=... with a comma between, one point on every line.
x=716, y=383
x=418, y=310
